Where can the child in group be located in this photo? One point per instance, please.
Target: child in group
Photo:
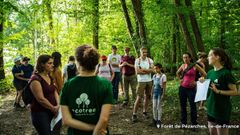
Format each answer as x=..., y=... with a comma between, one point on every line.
x=159, y=88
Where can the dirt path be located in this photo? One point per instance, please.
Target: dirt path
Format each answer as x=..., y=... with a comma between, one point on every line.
x=17, y=122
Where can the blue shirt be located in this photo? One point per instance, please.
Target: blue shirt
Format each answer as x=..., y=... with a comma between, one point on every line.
x=27, y=70
x=16, y=69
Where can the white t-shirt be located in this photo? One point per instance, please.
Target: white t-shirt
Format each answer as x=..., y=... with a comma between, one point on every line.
x=114, y=59
x=105, y=71
x=144, y=64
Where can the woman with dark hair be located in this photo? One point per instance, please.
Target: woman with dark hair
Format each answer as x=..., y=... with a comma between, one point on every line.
x=45, y=104
x=222, y=86
x=187, y=89
x=57, y=73
x=86, y=99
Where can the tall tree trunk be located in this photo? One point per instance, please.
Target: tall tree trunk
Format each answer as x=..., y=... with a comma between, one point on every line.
x=222, y=13
x=186, y=33
x=174, y=46
x=137, y=7
x=50, y=19
x=195, y=27
x=2, y=73
x=132, y=35
x=95, y=22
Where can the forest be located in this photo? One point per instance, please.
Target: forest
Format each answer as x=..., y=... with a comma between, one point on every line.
x=167, y=28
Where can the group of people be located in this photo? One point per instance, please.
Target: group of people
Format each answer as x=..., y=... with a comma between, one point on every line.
x=87, y=90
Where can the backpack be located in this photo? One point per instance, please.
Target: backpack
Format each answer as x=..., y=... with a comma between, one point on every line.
x=27, y=95
x=71, y=71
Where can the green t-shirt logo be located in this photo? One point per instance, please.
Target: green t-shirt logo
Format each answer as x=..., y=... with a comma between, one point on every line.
x=83, y=106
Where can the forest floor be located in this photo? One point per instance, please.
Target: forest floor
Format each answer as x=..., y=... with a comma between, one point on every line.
x=17, y=122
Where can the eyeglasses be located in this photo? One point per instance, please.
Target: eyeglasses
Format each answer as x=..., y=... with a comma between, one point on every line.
x=104, y=60
x=145, y=52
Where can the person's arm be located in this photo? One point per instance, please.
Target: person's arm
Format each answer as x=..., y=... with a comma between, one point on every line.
x=18, y=76
x=103, y=120
x=180, y=69
x=37, y=91
x=58, y=79
x=73, y=123
x=57, y=97
x=231, y=92
x=112, y=74
x=201, y=70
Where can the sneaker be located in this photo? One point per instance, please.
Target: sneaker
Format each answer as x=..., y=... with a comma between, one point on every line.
x=158, y=124
x=145, y=115
x=134, y=118
x=153, y=124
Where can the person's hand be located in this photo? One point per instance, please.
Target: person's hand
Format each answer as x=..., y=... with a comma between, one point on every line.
x=55, y=110
x=201, y=79
x=103, y=132
x=192, y=84
x=213, y=88
x=180, y=81
x=28, y=107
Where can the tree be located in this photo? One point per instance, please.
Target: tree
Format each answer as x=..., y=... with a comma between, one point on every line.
x=186, y=33
x=2, y=73
x=128, y=22
x=95, y=22
x=137, y=7
x=50, y=19
x=195, y=27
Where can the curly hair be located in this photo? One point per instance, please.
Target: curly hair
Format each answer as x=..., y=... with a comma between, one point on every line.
x=87, y=57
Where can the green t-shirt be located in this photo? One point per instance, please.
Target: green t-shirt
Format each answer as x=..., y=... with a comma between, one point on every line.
x=219, y=106
x=85, y=96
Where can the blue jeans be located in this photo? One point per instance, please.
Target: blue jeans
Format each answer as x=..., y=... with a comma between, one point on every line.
x=189, y=93
x=115, y=83
x=41, y=121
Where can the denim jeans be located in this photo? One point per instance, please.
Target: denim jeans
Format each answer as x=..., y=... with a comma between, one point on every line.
x=41, y=121
x=184, y=94
x=115, y=84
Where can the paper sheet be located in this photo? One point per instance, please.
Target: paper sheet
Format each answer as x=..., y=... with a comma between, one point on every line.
x=202, y=89
x=56, y=119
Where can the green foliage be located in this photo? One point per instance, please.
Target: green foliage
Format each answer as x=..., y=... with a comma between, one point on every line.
x=6, y=85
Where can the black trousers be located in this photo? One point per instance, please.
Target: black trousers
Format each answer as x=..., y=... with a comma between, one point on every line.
x=184, y=94
x=41, y=121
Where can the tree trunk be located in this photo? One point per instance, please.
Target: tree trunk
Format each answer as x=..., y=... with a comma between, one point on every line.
x=95, y=22
x=186, y=33
x=137, y=7
x=195, y=27
x=222, y=13
x=132, y=35
x=2, y=73
x=174, y=46
x=50, y=19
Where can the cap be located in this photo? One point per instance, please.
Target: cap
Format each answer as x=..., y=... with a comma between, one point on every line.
x=103, y=57
x=114, y=47
x=25, y=59
x=17, y=59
